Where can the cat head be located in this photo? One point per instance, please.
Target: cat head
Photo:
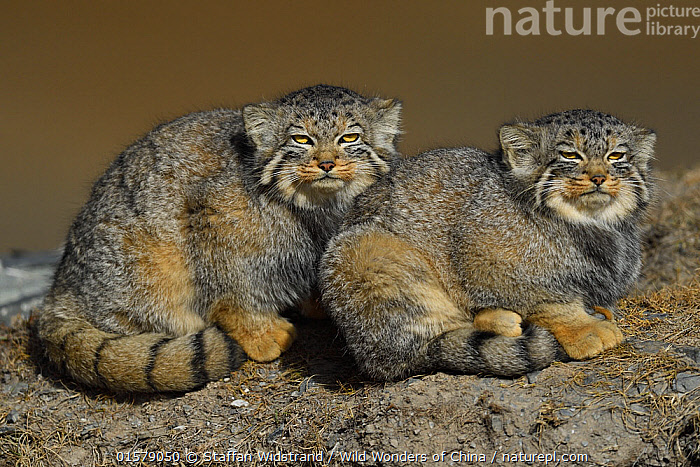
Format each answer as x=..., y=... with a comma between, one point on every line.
x=584, y=165
x=322, y=144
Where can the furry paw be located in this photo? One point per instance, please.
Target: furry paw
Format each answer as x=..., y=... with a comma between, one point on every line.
x=268, y=344
x=263, y=336
x=587, y=341
x=499, y=321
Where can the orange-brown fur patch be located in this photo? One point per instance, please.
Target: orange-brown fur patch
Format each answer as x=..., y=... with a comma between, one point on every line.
x=438, y=187
x=162, y=268
x=575, y=188
x=263, y=336
x=311, y=171
x=344, y=170
x=383, y=266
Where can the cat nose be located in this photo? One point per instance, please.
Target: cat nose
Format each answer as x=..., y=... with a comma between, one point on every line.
x=598, y=179
x=326, y=166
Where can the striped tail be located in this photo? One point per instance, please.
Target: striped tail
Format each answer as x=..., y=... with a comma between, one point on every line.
x=467, y=350
x=463, y=350
x=141, y=363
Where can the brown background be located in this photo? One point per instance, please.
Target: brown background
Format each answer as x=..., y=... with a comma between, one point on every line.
x=81, y=80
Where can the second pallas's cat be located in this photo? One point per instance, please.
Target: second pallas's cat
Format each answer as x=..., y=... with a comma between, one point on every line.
x=548, y=228
x=201, y=233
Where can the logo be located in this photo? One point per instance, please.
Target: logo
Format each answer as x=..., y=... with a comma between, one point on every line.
x=659, y=20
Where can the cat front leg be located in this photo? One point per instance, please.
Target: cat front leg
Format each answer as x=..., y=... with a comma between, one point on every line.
x=582, y=335
x=263, y=335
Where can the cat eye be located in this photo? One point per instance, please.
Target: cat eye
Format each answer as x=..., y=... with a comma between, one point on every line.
x=570, y=155
x=349, y=137
x=302, y=139
x=616, y=156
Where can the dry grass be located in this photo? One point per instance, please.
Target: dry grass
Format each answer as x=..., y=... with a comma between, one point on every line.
x=671, y=315
x=636, y=380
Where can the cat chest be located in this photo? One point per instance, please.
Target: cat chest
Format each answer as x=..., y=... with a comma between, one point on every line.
x=612, y=266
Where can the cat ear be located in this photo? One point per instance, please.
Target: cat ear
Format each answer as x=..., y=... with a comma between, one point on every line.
x=645, y=140
x=517, y=144
x=386, y=124
x=260, y=121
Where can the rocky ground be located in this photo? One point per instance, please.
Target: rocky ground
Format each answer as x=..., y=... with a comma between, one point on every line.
x=637, y=405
